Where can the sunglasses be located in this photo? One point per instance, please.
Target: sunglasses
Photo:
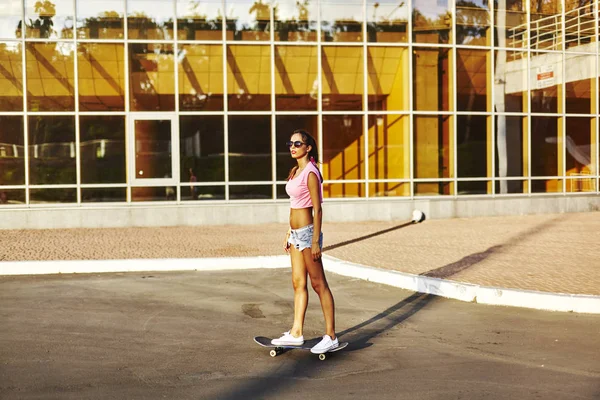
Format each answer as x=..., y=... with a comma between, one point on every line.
x=296, y=144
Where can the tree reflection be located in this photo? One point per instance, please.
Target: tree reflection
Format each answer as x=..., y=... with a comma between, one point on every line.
x=46, y=10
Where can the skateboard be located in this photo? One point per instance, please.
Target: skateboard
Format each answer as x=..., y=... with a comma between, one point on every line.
x=308, y=344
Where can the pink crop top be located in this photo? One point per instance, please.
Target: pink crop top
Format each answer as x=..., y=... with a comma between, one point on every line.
x=297, y=188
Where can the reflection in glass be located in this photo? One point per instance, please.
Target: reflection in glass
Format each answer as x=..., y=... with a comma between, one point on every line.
x=101, y=76
x=199, y=20
x=546, y=186
x=341, y=20
x=510, y=20
x=434, y=188
x=545, y=27
x=387, y=21
x=510, y=81
x=431, y=21
x=152, y=149
x=296, y=20
x=342, y=79
x=248, y=20
x=343, y=147
x=103, y=195
x=474, y=187
x=388, y=78
x=343, y=190
x=511, y=187
x=11, y=76
x=511, y=151
x=161, y=193
x=62, y=195
x=150, y=19
x=47, y=19
x=12, y=151
x=389, y=189
x=151, y=77
x=545, y=73
x=579, y=82
x=12, y=197
x=389, y=148
x=472, y=79
x=200, y=77
x=249, y=145
x=249, y=78
x=10, y=19
x=250, y=192
x=472, y=22
x=285, y=126
x=432, y=80
x=102, y=149
x=579, y=25
x=202, y=193
x=433, y=147
x=201, y=149
x=580, y=160
x=296, y=85
x=473, y=147
x=52, y=150
x=50, y=76
x=546, y=147
x=100, y=19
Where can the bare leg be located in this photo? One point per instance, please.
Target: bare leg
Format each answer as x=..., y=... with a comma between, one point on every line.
x=300, y=291
x=321, y=287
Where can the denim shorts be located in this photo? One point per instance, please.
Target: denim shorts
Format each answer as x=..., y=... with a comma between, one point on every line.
x=301, y=238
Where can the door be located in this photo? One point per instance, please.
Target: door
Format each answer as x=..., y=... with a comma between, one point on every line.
x=154, y=159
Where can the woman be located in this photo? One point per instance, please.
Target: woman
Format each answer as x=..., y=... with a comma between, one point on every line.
x=304, y=241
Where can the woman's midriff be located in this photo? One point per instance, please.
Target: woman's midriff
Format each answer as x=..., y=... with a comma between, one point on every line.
x=300, y=217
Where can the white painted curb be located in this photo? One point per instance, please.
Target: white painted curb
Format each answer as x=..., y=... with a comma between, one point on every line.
x=417, y=283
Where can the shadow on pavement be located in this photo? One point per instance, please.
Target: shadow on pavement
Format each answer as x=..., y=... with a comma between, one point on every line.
x=365, y=237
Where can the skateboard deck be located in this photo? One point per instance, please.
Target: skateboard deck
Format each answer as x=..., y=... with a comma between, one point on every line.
x=308, y=344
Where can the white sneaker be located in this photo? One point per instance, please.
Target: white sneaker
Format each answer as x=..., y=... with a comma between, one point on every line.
x=325, y=345
x=288, y=340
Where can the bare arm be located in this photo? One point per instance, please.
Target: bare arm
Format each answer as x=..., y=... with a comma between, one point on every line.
x=314, y=184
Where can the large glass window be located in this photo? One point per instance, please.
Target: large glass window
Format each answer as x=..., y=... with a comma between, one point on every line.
x=579, y=25
x=101, y=76
x=545, y=76
x=473, y=22
x=432, y=21
x=341, y=20
x=201, y=148
x=150, y=19
x=248, y=20
x=12, y=151
x=52, y=151
x=546, y=153
x=296, y=21
x=50, y=76
x=49, y=19
x=343, y=147
x=151, y=77
x=100, y=19
x=388, y=78
x=102, y=149
x=249, y=78
x=11, y=76
x=473, y=73
x=433, y=147
x=511, y=152
x=473, y=153
x=10, y=19
x=579, y=83
x=545, y=25
x=387, y=21
x=432, y=80
x=389, y=148
x=200, y=77
x=510, y=21
x=342, y=78
x=580, y=160
x=510, y=81
x=249, y=144
x=199, y=20
x=296, y=85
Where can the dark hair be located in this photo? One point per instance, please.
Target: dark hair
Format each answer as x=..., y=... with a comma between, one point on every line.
x=313, y=153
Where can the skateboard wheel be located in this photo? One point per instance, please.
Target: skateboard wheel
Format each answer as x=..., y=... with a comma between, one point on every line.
x=272, y=353
x=322, y=357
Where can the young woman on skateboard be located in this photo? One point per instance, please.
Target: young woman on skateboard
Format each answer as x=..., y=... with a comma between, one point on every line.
x=304, y=241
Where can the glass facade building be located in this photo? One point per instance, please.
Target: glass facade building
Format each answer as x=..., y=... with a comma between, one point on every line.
x=130, y=101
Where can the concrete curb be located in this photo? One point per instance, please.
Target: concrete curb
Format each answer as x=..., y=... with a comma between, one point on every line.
x=417, y=283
